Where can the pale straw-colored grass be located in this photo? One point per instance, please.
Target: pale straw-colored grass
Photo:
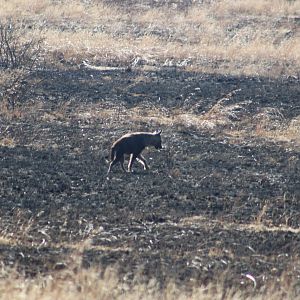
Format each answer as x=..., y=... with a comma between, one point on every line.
x=259, y=37
x=258, y=7
x=88, y=284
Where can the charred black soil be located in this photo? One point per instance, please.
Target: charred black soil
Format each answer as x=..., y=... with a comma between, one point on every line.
x=213, y=202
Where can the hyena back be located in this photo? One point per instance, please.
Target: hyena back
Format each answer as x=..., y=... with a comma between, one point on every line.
x=133, y=144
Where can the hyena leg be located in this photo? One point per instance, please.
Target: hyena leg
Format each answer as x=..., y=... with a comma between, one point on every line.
x=111, y=164
x=117, y=159
x=142, y=160
x=122, y=163
x=131, y=160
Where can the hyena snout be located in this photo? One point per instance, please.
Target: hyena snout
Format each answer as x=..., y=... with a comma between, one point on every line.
x=158, y=146
x=157, y=140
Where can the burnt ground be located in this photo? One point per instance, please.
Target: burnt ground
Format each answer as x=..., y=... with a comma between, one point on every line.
x=211, y=203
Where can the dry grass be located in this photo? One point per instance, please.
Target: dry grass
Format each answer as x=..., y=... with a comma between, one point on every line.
x=89, y=284
x=237, y=37
x=284, y=131
x=256, y=226
x=7, y=142
x=74, y=282
x=268, y=124
x=265, y=8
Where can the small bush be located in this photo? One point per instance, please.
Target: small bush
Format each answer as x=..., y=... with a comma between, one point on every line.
x=18, y=58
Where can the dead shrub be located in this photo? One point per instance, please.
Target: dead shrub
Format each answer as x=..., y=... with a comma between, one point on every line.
x=18, y=58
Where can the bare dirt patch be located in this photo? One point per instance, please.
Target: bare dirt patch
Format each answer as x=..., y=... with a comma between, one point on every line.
x=217, y=199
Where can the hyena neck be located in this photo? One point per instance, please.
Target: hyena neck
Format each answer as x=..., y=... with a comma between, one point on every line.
x=148, y=139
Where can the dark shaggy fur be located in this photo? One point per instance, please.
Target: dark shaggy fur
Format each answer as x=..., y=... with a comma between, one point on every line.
x=133, y=144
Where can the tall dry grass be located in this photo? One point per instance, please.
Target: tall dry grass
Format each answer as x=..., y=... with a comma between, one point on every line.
x=259, y=37
x=89, y=284
x=264, y=8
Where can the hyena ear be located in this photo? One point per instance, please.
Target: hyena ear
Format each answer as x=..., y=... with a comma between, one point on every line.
x=157, y=132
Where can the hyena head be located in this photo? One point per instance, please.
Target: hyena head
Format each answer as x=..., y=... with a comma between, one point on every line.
x=156, y=139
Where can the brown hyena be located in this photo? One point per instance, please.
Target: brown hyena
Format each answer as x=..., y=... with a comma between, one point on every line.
x=133, y=144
